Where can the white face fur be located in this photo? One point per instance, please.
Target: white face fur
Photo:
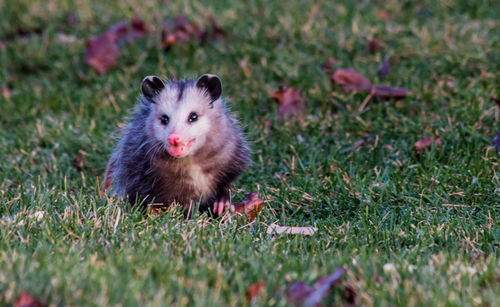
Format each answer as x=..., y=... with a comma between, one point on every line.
x=181, y=125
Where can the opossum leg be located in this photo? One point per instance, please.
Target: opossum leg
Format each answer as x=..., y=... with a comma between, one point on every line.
x=108, y=176
x=221, y=206
x=223, y=202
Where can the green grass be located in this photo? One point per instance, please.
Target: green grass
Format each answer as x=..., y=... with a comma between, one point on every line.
x=435, y=216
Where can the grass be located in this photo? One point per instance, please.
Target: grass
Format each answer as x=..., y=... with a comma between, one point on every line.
x=434, y=217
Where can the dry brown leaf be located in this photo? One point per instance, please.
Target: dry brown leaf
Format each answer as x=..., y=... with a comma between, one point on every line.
x=375, y=45
x=128, y=33
x=306, y=231
x=426, y=143
x=103, y=50
x=302, y=294
x=389, y=92
x=250, y=206
x=290, y=103
x=350, y=80
x=178, y=30
x=253, y=291
x=138, y=27
x=27, y=300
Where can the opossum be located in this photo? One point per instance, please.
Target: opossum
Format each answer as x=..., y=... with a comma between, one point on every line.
x=181, y=145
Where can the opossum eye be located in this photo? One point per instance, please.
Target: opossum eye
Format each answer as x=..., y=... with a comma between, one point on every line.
x=164, y=119
x=193, y=117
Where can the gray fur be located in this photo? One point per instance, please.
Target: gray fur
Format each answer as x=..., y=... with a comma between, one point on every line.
x=142, y=168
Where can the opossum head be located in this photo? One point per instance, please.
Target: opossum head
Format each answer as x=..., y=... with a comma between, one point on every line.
x=183, y=113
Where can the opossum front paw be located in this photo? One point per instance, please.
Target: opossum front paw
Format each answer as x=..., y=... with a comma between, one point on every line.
x=222, y=205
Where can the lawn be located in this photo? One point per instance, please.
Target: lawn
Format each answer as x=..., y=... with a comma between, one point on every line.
x=409, y=229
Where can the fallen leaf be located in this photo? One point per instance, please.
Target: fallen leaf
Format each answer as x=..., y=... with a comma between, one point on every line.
x=426, y=143
x=250, y=206
x=120, y=30
x=79, y=161
x=290, y=103
x=138, y=27
x=128, y=33
x=496, y=141
x=102, y=51
x=306, y=231
x=302, y=294
x=350, y=80
x=384, y=68
x=27, y=300
x=253, y=291
x=178, y=30
x=375, y=45
x=389, y=92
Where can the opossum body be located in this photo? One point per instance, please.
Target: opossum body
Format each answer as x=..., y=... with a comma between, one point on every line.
x=181, y=145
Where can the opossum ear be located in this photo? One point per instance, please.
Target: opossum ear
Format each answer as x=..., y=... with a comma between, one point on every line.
x=212, y=84
x=152, y=86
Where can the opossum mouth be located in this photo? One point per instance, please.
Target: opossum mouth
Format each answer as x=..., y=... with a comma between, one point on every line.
x=180, y=150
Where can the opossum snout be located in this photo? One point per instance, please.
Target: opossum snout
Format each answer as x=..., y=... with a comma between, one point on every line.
x=179, y=147
x=174, y=139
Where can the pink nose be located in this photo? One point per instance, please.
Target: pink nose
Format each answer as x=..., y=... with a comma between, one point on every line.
x=174, y=140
